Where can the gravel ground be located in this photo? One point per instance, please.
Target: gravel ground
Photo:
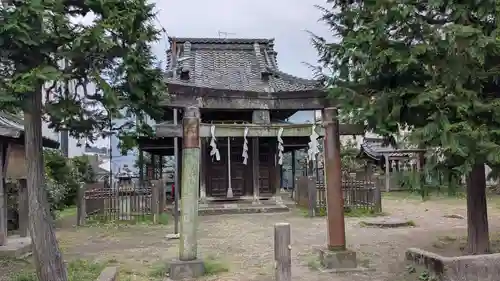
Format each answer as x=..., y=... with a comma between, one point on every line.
x=245, y=242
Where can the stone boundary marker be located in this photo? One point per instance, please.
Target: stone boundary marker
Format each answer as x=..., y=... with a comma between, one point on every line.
x=109, y=273
x=473, y=268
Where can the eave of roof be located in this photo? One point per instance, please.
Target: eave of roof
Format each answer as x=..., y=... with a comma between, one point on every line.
x=200, y=40
x=11, y=126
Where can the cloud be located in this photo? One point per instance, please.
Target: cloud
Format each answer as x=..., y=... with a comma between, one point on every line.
x=284, y=20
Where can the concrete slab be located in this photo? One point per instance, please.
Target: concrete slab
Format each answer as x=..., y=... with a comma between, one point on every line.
x=388, y=223
x=17, y=247
x=179, y=270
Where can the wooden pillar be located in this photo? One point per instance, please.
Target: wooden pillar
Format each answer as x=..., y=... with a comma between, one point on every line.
x=275, y=172
x=293, y=173
x=160, y=169
x=387, y=174
x=23, y=208
x=258, y=117
x=229, y=176
x=203, y=157
x=334, y=196
x=81, y=211
x=255, y=170
x=3, y=197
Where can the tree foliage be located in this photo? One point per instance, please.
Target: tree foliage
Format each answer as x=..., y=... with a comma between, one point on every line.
x=429, y=66
x=64, y=178
x=108, y=64
x=87, y=73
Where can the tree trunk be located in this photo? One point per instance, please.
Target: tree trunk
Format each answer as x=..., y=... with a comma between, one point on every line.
x=47, y=256
x=478, y=241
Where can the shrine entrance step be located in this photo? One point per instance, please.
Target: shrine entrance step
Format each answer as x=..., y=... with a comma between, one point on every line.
x=240, y=207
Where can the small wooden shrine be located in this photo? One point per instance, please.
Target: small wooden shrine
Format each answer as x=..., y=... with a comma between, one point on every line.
x=12, y=170
x=244, y=101
x=391, y=159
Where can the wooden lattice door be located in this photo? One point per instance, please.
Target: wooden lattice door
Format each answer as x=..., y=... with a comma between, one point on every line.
x=216, y=174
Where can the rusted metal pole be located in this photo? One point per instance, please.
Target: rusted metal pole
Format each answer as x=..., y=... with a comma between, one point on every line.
x=190, y=184
x=334, y=196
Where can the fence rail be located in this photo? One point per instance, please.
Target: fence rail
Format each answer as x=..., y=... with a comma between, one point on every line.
x=358, y=193
x=132, y=202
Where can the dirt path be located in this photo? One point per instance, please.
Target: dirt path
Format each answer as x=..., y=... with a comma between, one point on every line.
x=245, y=242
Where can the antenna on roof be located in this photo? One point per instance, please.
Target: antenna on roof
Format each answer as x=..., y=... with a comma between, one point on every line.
x=223, y=34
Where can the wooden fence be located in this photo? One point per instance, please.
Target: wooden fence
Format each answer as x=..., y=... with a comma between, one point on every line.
x=358, y=193
x=120, y=202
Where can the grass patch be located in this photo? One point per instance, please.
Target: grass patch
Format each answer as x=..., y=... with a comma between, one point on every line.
x=214, y=266
x=148, y=219
x=411, y=223
x=362, y=213
x=78, y=270
x=313, y=263
x=158, y=271
x=67, y=212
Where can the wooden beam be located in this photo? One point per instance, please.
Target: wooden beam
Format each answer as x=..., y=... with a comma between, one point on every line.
x=256, y=130
x=182, y=96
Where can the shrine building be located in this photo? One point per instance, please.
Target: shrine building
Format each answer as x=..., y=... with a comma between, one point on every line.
x=244, y=101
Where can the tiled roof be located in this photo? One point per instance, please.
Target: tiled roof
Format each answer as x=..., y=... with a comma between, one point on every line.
x=376, y=148
x=233, y=64
x=12, y=126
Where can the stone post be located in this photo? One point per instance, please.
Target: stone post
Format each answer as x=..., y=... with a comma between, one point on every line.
x=188, y=265
x=336, y=255
x=387, y=174
x=282, y=252
x=377, y=196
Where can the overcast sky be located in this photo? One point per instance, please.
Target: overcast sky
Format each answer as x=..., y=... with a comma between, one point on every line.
x=284, y=20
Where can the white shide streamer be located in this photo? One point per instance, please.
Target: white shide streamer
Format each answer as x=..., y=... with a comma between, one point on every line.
x=245, y=147
x=313, y=145
x=280, y=147
x=214, y=151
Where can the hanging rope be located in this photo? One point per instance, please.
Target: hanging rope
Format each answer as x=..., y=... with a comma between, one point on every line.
x=245, y=146
x=213, y=144
x=280, y=147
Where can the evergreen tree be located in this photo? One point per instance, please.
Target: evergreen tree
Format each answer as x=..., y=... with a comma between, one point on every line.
x=432, y=66
x=112, y=53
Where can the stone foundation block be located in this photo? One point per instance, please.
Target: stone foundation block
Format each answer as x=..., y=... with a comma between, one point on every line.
x=337, y=259
x=109, y=274
x=461, y=268
x=16, y=247
x=186, y=269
